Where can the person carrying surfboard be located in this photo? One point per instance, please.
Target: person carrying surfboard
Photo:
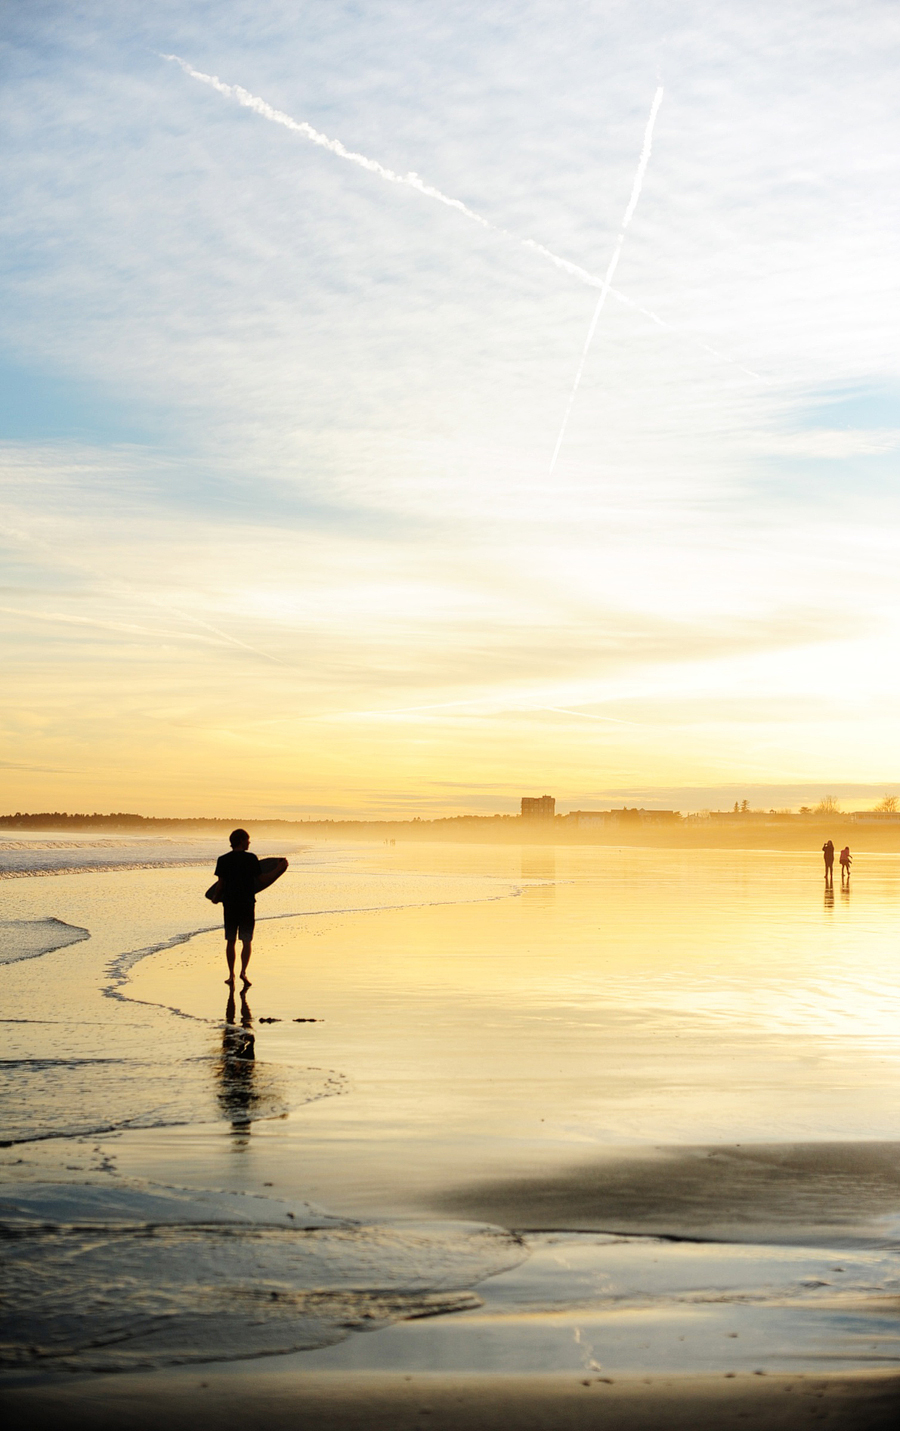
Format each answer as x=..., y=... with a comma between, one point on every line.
x=239, y=878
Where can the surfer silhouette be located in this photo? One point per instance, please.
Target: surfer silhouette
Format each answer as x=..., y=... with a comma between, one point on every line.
x=239, y=878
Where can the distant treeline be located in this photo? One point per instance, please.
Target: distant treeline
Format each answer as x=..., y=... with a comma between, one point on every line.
x=751, y=830
x=121, y=820
x=60, y=819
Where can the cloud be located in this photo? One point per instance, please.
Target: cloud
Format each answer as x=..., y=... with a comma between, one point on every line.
x=835, y=445
x=286, y=447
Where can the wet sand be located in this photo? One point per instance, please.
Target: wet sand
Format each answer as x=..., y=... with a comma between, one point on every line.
x=382, y=1402
x=663, y=1098
x=843, y=1193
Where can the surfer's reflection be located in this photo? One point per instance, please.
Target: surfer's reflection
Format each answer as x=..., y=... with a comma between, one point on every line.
x=237, y=1068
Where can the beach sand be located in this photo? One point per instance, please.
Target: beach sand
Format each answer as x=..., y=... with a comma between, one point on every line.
x=271, y=1401
x=512, y=1122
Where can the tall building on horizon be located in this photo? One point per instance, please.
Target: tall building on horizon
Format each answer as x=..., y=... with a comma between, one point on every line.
x=538, y=807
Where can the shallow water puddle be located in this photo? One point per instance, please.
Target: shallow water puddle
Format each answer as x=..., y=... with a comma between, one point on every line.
x=627, y=1306
x=105, y=1279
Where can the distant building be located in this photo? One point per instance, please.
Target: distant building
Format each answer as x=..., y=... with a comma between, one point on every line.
x=587, y=819
x=647, y=817
x=538, y=807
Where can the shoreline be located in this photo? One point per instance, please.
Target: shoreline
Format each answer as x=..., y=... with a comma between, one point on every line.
x=683, y=1329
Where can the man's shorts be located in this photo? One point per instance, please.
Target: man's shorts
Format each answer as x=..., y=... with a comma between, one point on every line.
x=240, y=920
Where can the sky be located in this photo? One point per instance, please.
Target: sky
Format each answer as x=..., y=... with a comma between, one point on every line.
x=282, y=532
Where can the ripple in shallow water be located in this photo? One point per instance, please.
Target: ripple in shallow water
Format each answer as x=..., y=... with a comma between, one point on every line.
x=70, y=1097
x=127, y=1278
x=29, y=938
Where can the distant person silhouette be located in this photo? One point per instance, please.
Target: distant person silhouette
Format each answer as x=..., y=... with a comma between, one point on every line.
x=828, y=852
x=846, y=862
x=239, y=875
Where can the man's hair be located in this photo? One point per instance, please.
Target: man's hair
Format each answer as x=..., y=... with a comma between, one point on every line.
x=238, y=837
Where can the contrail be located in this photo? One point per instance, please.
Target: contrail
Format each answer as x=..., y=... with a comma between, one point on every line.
x=583, y=715
x=277, y=116
x=223, y=635
x=412, y=181
x=613, y=264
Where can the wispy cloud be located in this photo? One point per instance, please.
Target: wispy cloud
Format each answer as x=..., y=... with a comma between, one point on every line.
x=127, y=628
x=331, y=569
x=822, y=444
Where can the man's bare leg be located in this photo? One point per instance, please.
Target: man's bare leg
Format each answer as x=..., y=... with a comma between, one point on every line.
x=246, y=950
x=229, y=958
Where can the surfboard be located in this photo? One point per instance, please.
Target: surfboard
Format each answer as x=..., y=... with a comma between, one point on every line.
x=270, y=869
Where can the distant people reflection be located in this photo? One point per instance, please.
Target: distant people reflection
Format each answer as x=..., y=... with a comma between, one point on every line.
x=237, y=1068
x=828, y=856
x=539, y=868
x=829, y=896
x=538, y=864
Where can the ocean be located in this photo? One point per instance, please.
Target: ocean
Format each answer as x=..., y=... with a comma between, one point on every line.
x=603, y=1111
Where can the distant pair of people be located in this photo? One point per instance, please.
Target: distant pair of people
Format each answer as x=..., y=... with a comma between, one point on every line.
x=846, y=859
x=239, y=878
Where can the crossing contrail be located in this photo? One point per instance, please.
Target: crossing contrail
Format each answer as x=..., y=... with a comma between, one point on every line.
x=413, y=181
x=613, y=264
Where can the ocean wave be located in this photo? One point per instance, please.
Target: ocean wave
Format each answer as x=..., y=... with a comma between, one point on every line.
x=49, y=856
x=57, y=844
x=99, y=867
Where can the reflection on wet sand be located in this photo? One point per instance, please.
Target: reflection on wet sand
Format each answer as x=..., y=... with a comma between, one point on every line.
x=236, y=1070
x=538, y=863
